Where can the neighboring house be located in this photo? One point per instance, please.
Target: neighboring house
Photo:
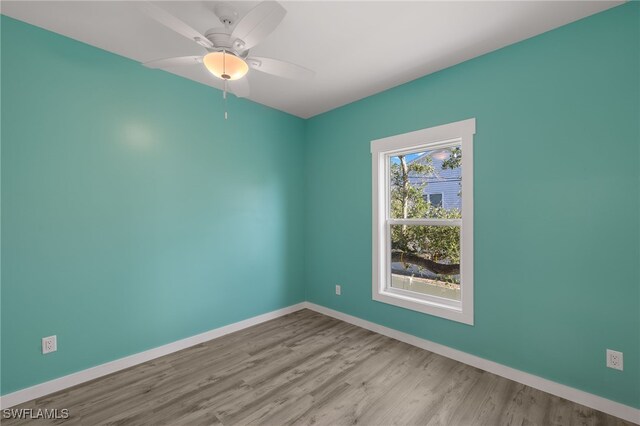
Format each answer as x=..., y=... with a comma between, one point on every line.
x=443, y=186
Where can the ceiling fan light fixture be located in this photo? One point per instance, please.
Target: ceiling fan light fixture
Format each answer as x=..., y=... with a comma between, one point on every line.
x=225, y=65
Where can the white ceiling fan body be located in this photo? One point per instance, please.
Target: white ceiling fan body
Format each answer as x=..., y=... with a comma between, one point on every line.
x=235, y=37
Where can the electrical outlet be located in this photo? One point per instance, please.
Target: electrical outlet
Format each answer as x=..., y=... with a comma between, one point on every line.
x=614, y=359
x=49, y=344
x=338, y=290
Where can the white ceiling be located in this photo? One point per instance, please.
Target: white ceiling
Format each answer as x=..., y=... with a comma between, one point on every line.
x=357, y=48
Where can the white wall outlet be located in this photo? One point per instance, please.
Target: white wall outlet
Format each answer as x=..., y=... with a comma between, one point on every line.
x=49, y=344
x=338, y=290
x=614, y=359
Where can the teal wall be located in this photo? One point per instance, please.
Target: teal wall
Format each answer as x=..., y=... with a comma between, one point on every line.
x=556, y=202
x=133, y=215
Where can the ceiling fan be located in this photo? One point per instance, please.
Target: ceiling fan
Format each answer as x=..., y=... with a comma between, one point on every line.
x=228, y=46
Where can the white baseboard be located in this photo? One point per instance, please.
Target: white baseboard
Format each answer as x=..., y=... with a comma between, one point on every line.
x=590, y=400
x=599, y=403
x=74, y=379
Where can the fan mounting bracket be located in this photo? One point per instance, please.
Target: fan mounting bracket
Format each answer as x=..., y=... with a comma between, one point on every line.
x=226, y=13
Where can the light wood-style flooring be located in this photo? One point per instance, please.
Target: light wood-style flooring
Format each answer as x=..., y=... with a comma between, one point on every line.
x=309, y=369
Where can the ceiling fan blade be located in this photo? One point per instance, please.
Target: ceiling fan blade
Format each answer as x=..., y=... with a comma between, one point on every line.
x=240, y=87
x=258, y=23
x=174, y=62
x=168, y=20
x=280, y=68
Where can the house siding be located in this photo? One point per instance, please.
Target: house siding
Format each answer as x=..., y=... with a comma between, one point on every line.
x=443, y=181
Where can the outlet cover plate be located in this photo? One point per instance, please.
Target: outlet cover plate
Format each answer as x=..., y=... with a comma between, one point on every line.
x=49, y=344
x=338, y=290
x=615, y=359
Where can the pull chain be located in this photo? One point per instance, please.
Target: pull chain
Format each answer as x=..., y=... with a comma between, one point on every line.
x=224, y=93
x=224, y=96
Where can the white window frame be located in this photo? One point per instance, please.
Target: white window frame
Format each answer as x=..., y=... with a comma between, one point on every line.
x=458, y=133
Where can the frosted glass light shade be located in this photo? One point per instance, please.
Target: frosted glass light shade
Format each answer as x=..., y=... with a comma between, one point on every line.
x=225, y=66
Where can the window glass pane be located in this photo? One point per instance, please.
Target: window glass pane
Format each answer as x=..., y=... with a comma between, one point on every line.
x=435, y=200
x=426, y=184
x=426, y=259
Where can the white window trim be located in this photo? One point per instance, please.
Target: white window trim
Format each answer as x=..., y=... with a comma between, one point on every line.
x=460, y=132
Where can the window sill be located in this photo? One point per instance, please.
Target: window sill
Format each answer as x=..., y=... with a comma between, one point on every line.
x=429, y=307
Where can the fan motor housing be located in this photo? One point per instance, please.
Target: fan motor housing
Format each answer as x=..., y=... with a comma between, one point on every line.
x=221, y=40
x=219, y=37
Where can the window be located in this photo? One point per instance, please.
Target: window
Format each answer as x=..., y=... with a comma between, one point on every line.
x=433, y=199
x=422, y=249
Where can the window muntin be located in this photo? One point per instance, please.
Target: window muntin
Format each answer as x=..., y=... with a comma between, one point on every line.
x=423, y=251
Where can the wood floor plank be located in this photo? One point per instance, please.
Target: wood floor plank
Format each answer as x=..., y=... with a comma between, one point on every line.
x=308, y=369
